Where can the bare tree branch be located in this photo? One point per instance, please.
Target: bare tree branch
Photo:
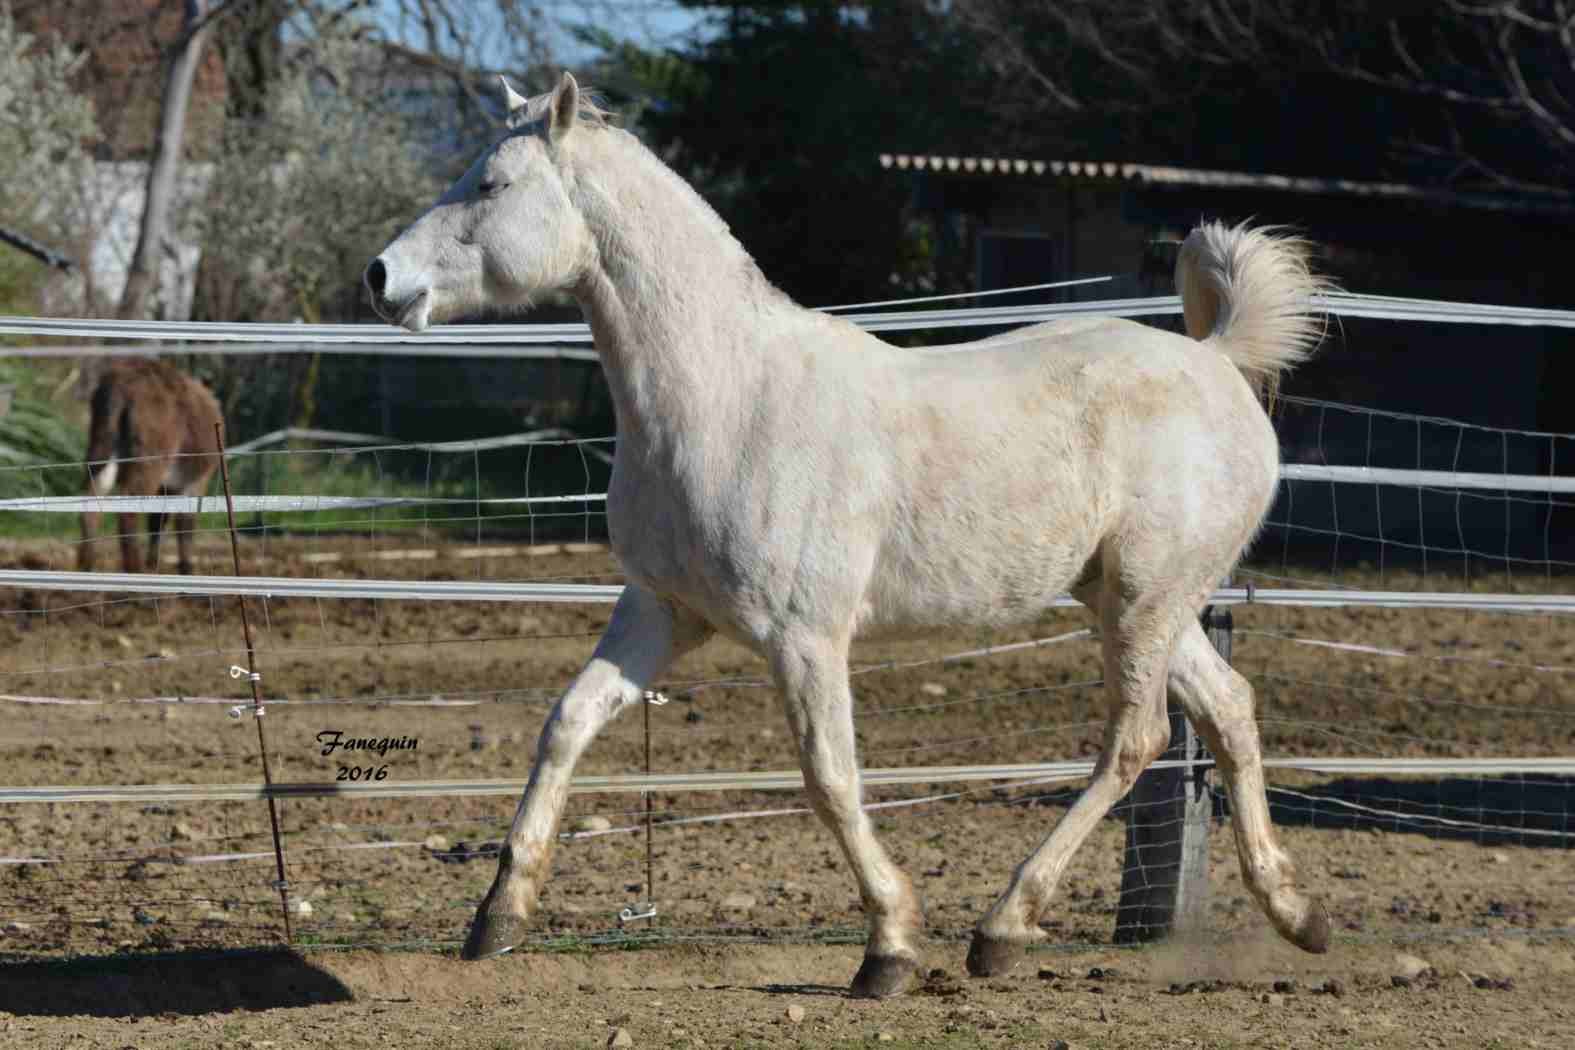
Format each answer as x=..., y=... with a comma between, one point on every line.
x=164, y=169
x=1510, y=61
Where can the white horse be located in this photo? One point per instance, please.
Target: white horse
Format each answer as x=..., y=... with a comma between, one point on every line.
x=793, y=483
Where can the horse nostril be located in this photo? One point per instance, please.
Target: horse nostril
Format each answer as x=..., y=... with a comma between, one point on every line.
x=377, y=278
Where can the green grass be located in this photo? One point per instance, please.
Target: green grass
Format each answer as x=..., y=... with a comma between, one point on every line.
x=36, y=431
x=364, y=474
x=306, y=472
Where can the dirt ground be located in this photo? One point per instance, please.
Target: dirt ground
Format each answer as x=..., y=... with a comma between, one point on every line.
x=1490, y=993
x=764, y=891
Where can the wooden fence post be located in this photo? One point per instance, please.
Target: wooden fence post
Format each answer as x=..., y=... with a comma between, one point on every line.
x=1165, y=872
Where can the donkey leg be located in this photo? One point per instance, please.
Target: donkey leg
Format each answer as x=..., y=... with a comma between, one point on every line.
x=643, y=637
x=1136, y=645
x=130, y=549
x=1220, y=703
x=813, y=677
x=87, y=552
x=140, y=478
x=185, y=526
x=101, y=482
x=155, y=527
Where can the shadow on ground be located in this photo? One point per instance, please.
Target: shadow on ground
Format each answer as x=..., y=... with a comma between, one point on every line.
x=1509, y=810
x=1515, y=810
x=176, y=983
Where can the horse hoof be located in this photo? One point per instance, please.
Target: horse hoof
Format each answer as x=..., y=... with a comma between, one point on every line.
x=883, y=976
x=988, y=957
x=492, y=935
x=1313, y=934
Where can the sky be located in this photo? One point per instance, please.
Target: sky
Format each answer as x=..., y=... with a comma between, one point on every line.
x=651, y=23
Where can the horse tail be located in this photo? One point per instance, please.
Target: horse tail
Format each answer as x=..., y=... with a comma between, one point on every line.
x=1247, y=293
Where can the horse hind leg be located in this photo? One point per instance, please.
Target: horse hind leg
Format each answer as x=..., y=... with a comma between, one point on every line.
x=813, y=677
x=1137, y=635
x=1219, y=702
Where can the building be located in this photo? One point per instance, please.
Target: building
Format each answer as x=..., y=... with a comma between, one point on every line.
x=124, y=41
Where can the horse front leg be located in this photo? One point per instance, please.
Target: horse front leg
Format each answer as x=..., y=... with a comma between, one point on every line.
x=813, y=677
x=643, y=638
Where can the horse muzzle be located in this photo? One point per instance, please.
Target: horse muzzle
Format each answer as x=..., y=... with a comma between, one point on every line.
x=409, y=311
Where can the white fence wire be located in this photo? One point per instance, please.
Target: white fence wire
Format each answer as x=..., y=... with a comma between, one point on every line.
x=521, y=339
x=345, y=835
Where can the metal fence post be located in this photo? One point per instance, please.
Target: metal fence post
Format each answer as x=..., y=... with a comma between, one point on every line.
x=1165, y=872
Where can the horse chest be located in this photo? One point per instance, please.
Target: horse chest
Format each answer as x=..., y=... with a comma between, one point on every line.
x=700, y=552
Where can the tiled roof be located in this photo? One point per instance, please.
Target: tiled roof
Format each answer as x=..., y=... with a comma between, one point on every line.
x=1166, y=175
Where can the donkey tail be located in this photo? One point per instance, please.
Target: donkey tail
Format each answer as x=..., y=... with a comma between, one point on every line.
x=105, y=435
x=1247, y=292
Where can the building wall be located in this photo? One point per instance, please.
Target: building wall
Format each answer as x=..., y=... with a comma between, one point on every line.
x=125, y=41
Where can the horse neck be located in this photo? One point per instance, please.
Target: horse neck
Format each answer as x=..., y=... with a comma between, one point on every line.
x=678, y=309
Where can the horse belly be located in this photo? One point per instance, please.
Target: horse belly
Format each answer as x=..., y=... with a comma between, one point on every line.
x=993, y=577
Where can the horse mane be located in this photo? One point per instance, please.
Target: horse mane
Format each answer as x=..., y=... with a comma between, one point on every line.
x=593, y=116
x=590, y=112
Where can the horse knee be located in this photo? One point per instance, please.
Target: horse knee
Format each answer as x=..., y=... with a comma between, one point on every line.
x=1144, y=746
x=831, y=795
x=1223, y=710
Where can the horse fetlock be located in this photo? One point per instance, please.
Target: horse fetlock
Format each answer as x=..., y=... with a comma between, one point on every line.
x=896, y=931
x=1270, y=875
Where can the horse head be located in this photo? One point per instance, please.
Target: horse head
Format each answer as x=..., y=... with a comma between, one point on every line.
x=504, y=233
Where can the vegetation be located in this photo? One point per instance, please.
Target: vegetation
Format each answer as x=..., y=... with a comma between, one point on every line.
x=45, y=125
x=335, y=121
x=789, y=157
x=33, y=433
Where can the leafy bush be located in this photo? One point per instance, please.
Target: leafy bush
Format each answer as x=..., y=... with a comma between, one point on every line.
x=45, y=126
x=35, y=433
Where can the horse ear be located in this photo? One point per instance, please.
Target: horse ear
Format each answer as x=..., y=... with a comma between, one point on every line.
x=512, y=99
x=565, y=107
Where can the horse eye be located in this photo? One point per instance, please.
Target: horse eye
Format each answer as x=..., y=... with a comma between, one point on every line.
x=490, y=186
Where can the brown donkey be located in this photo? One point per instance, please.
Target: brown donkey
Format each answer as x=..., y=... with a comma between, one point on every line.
x=152, y=435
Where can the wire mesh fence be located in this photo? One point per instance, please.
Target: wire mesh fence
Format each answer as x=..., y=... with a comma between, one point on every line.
x=126, y=689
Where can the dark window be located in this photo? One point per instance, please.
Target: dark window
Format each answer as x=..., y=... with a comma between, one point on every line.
x=1008, y=259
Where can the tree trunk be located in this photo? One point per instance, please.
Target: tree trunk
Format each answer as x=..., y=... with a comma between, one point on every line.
x=164, y=170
